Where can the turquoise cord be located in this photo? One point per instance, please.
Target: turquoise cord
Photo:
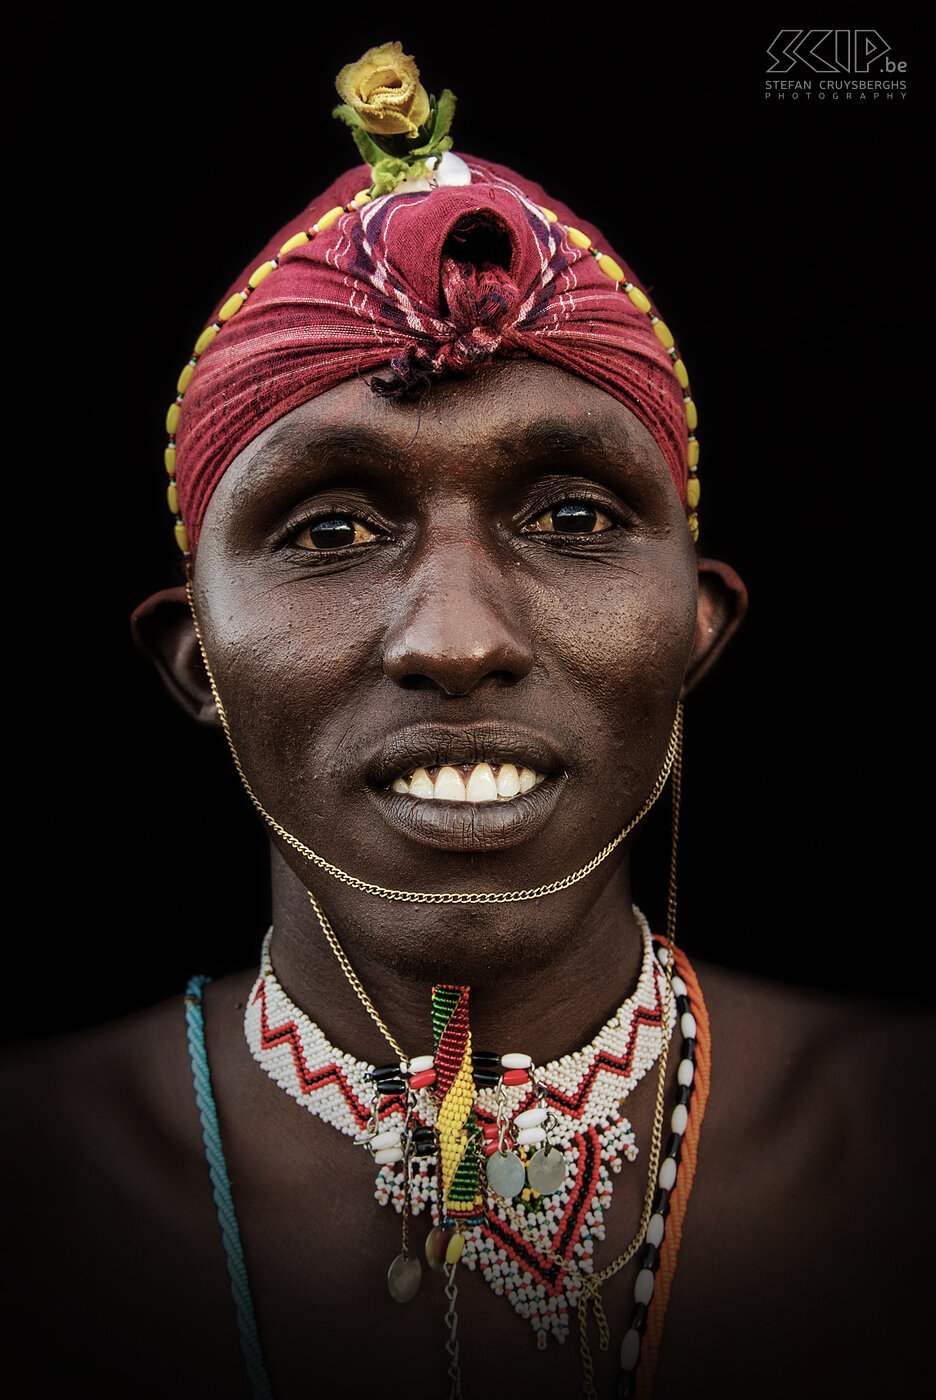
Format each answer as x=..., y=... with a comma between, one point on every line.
x=221, y=1189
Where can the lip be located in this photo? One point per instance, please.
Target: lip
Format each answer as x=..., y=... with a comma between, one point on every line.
x=430, y=744
x=467, y=826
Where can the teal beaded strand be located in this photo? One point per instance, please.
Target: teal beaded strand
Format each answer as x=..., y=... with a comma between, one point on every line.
x=221, y=1190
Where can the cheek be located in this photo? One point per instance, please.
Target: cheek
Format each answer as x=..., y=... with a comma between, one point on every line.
x=292, y=668
x=628, y=641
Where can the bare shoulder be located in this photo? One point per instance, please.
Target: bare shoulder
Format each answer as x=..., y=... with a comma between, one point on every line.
x=88, y=1092
x=114, y=1215
x=786, y=1049
x=809, y=1205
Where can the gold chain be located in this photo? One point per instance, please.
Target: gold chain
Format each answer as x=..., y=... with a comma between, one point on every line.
x=353, y=978
x=448, y=896
x=591, y=1284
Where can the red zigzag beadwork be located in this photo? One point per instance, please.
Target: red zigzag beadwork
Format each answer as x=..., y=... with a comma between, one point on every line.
x=585, y=1090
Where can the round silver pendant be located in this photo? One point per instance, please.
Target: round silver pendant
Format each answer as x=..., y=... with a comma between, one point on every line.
x=505, y=1174
x=403, y=1278
x=546, y=1170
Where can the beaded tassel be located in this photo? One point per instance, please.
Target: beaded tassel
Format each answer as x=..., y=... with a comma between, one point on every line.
x=458, y=1134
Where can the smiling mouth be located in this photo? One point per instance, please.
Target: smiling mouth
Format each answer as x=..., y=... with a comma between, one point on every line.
x=496, y=780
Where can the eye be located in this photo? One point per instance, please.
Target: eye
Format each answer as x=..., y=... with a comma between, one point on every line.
x=572, y=518
x=334, y=532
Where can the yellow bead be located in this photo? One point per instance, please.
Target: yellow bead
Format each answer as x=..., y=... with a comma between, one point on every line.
x=453, y=1250
x=663, y=333
x=232, y=304
x=694, y=526
x=296, y=241
x=638, y=298
x=172, y=418
x=580, y=239
x=693, y=492
x=328, y=219
x=693, y=454
x=181, y=536
x=682, y=374
x=205, y=339
x=169, y=459
x=608, y=265
x=172, y=496
x=362, y=197
x=553, y=218
x=182, y=382
x=692, y=417
x=257, y=276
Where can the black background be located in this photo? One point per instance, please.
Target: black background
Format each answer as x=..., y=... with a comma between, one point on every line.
x=153, y=152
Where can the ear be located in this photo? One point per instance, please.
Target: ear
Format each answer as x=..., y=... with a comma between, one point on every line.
x=721, y=606
x=163, y=628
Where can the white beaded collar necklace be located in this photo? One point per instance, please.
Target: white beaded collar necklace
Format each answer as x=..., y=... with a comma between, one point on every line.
x=531, y=1249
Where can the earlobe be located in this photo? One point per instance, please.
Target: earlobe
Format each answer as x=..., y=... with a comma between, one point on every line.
x=721, y=606
x=163, y=628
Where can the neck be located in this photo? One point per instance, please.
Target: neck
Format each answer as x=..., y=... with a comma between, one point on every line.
x=544, y=975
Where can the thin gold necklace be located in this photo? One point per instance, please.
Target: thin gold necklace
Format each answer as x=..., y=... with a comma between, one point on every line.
x=673, y=751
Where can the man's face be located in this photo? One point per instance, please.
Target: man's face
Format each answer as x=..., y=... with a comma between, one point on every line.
x=501, y=583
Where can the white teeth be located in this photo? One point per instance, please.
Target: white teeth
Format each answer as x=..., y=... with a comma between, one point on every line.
x=483, y=785
x=421, y=784
x=449, y=786
x=508, y=781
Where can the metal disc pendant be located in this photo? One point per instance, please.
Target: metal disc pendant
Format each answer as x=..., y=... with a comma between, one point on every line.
x=505, y=1174
x=546, y=1170
x=403, y=1278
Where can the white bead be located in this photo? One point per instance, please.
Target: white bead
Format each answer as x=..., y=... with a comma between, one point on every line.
x=643, y=1286
x=685, y=1073
x=420, y=1063
x=382, y=1140
x=529, y=1135
x=531, y=1119
x=667, y=1173
x=687, y=1025
x=680, y=1118
x=679, y=987
x=655, y=1231
x=516, y=1061
x=630, y=1350
x=389, y=1155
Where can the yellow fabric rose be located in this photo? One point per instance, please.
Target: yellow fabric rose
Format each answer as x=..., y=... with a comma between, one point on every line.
x=384, y=90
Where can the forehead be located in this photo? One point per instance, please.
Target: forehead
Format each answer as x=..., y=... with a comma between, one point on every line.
x=483, y=432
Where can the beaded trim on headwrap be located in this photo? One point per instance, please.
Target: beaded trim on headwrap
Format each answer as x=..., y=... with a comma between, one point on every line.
x=605, y=262
x=229, y=309
x=391, y=289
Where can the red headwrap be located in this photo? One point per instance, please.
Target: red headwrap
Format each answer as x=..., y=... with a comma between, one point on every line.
x=379, y=288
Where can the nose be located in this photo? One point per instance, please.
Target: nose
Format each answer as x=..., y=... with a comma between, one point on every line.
x=458, y=624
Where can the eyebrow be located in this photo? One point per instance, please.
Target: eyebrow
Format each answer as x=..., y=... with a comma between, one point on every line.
x=547, y=435
x=541, y=436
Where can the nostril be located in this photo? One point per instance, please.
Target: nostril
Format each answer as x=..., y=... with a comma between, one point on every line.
x=450, y=686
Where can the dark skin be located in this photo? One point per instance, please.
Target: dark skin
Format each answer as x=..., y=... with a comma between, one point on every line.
x=379, y=589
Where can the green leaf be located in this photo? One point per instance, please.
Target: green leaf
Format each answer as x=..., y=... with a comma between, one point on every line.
x=346, y=113
x=445, y=111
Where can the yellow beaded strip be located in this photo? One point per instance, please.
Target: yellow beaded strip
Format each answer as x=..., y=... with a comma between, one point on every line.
x=259, y=274
x=665, y=337
x=229, y=309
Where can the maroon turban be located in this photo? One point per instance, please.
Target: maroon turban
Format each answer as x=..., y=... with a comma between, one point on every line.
x=381, y=286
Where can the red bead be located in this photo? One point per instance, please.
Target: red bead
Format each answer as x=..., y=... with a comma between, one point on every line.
x=515, y=1076
x=490, y=1147
x=490, y=1130
x=419, y=1081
